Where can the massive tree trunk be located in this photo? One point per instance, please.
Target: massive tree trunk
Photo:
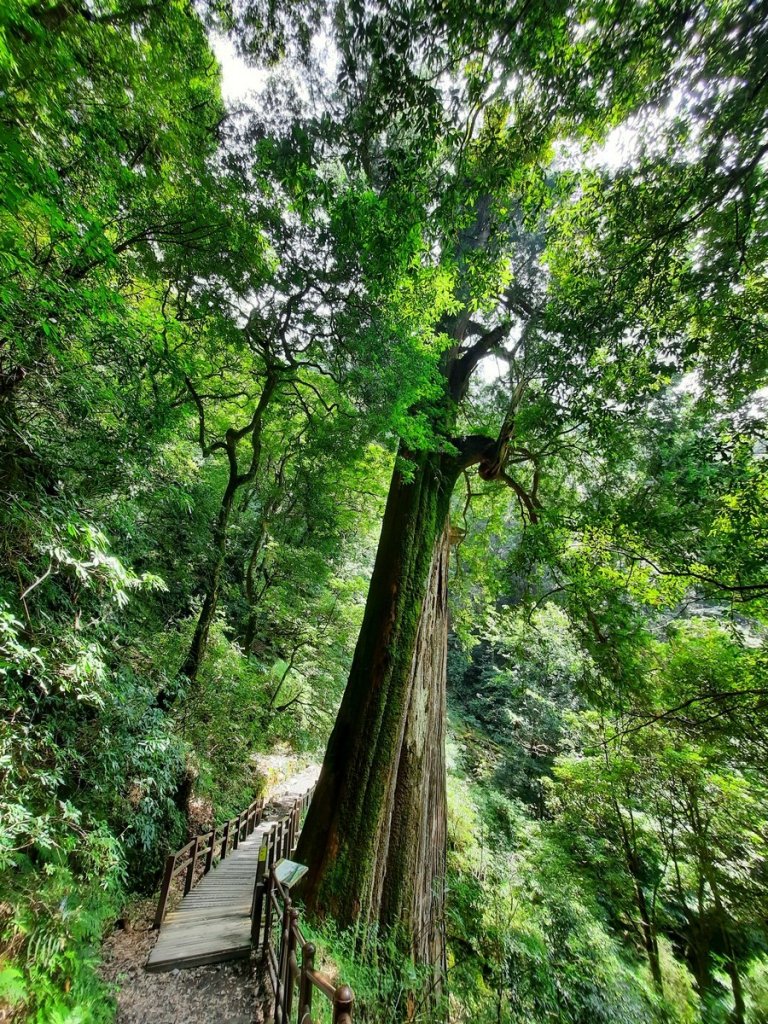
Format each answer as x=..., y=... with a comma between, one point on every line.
x=374, y=839
x=412, y=877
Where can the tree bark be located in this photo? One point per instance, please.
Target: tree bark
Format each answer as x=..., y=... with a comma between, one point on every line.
x=412, y=879
x=648, y=929
x=235, y=480
x=191, y=664
x=374, y=839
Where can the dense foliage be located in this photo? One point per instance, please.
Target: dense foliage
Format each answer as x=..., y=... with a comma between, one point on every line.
x=219, y=328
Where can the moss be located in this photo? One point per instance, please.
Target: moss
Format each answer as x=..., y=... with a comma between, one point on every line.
x=346, y=838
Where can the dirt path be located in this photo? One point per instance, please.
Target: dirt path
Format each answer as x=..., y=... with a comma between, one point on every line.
x=227, y=993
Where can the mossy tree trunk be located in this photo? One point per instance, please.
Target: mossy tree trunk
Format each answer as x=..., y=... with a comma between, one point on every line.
x=374, y=838
x=412, y=879
x=374, y=835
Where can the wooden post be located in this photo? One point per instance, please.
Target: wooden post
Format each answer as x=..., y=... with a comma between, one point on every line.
x=282, y=968
x=267, y=914
x=273, y=845
x=268, y=840
x=165, y=888
x=209, y=855
x=291, y=829
x=237, y=832
x=265, y=841
x=305, y=985
x=290, y=959
x=224, y=840
x=343, y=998
x=258, y=894
x=190, y=878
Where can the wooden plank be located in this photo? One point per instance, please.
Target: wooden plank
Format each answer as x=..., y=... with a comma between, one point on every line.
x=213, y=922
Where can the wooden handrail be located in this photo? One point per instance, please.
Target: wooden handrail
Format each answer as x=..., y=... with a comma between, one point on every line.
x=290, y=962
x=207, y=843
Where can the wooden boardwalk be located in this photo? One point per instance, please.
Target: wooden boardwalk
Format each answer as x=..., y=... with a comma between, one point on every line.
x=213, y=922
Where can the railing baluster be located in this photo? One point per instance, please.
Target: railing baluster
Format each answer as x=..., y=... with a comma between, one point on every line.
x=342, y=1005
x=191, y=869
x=209, y=855
x=305, y=985
x=290, y=959
x=268, y=884
x=268, y=837
x=165, y=889
x=282, y=973
x=258, y=894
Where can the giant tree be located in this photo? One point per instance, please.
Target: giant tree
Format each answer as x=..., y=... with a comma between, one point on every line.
x=374, y=835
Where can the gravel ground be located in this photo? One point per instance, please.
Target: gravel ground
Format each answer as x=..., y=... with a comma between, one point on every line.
x=229, y=993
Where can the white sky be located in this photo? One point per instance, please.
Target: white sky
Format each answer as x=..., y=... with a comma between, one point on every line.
x=238, y=79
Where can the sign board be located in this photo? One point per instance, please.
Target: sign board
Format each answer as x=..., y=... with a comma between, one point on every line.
x=288, y=872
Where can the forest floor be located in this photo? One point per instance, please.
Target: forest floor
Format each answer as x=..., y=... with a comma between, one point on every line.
x=230, y=993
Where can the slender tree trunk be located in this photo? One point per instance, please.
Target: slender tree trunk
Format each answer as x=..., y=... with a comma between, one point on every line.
x=649, y=937
x=235, y=480
x=646, y=922
x=191, y=665
x=249, y=634
x=739, y=1007
x=738, y=1015
x=700, y=953
x=374, y=839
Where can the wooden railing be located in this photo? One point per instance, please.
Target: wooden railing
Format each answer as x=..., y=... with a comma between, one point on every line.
x=206, y=850
x=275, y=932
